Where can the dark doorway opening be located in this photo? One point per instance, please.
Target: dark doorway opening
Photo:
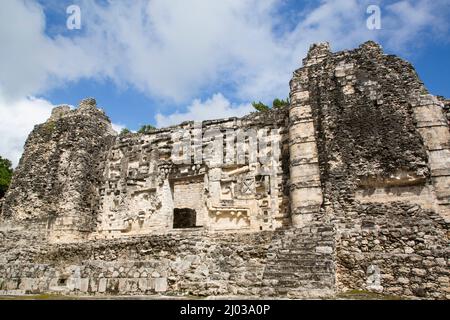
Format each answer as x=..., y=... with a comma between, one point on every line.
x=62, y=281
x=184, y=218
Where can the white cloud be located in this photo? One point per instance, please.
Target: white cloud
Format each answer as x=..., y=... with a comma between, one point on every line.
x=176, y=49
x=118, y=127
x=17, y=121
x=215, y=107
x=409, y=23
x=31, y=62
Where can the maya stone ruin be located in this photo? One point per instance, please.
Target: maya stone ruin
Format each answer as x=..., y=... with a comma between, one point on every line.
x=349, y=190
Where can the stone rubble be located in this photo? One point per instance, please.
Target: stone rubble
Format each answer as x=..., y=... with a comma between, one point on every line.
x=356, y=195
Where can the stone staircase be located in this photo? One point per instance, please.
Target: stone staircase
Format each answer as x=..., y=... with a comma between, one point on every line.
x=300, y=262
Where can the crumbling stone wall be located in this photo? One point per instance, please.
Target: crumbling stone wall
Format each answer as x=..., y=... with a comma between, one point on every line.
x=396, y=248
x=148, y=176
x=58, y=176
x=446, y=105
x=85, y=181
x=379, y=170
x=195, y=263
x=356, y=195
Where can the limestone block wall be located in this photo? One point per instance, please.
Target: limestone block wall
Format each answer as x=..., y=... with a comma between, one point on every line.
x=229, y=186
x=176, y=264
x=382, y=156
x=86, y=182
x=59, y=173
x=433, y=127
x=306, y=196
x=353, y=194
x=394, y=248
x=183, y=263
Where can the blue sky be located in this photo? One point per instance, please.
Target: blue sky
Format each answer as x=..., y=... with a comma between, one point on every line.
x=163, y=62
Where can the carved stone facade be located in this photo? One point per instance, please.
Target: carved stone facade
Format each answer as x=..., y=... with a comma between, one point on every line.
x=143, y=188
x=347, y=188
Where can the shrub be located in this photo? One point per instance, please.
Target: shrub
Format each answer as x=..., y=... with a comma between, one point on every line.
x=146, y=128
x=124, y=132
x=278, y=104
x=259, y=106
x=6, y=173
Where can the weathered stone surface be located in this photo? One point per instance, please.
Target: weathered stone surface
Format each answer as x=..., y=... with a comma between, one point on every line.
x=58, y=177
x=355, y=195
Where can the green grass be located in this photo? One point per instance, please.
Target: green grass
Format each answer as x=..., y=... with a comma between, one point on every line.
x=49, y=127
x=38, y=297
x=349, y=295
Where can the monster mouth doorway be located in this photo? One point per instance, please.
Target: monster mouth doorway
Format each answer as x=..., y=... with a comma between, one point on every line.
x=184, y=218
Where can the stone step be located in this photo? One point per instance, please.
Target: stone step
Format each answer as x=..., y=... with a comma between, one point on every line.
x=286, y=287
x=302, y=253
x=290, y=260
x=298, y=274
x=304, y=236
x=294, y=254
x=291, y=277
x=284, y=278
x=301, y=261
x=298, y=255
x=311, y=241
x=306, y=292
x=303, y=285
x=300, y=240
x=293, y=280
x=289, y=247
x=300, y=269
x=310, y=261
x=307, y=233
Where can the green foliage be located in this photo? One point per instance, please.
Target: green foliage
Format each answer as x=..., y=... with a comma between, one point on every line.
x=6, y=173
x=49, y=127
x=259, y=106
x=124, y=131
x=277, y=104
x=146, y=128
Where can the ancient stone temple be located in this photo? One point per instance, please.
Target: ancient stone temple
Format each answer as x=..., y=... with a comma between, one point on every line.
x=346, y=188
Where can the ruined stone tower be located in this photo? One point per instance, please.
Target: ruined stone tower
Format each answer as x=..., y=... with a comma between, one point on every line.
x=347, y=188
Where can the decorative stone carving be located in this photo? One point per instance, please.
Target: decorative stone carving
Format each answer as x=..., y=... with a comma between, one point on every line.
x=374, y=278
x=248, y=185
x=355, y=173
